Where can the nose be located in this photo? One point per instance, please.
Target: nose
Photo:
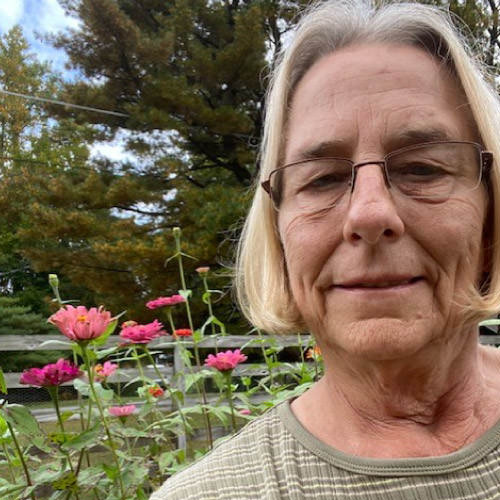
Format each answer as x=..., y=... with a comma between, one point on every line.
x=372, y=215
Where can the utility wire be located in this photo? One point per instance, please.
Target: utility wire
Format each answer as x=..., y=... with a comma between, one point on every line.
x=62, y=103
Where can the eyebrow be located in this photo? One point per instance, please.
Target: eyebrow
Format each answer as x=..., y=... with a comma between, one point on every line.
x=410, y=137
x=405, y=137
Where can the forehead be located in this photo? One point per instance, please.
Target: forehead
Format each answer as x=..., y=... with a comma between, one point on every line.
x=375, y=98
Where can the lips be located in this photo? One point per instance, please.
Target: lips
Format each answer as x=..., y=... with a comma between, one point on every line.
x=380, y=282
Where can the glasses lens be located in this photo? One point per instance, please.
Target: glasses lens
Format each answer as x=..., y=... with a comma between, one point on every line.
x=311, y=185
x=435, y=171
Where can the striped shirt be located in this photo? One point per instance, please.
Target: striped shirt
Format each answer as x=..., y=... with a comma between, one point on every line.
x=275, y=458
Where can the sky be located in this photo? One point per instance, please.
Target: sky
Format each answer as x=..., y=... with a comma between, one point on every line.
x=37, y=16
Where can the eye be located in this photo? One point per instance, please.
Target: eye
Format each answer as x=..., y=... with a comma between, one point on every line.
x=419, y=171
x=328, y=180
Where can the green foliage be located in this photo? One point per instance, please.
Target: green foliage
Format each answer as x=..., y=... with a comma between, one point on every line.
x=141, y=450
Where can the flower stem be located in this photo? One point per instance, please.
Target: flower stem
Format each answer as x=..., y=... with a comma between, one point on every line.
x=103, y=418
x=208, y=426
x=209, y=303
x=54, y=394
x=21, y=458
x=266, y=357
x=229, y=395
x=168, y=388
x=9, y=463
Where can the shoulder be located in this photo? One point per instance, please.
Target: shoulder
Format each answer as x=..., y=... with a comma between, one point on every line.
x=233, y=469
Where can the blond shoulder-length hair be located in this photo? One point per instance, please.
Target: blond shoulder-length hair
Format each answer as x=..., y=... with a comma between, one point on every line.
x=261, y=278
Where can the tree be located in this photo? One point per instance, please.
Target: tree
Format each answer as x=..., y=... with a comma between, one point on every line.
x=16, y=319
x=32, y=144
x=188, y=75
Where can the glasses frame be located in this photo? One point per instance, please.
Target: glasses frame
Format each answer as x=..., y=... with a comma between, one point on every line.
x=486, y=161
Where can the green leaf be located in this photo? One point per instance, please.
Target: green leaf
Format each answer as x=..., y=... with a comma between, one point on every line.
x=222, y=413
x=23, y=421
x=110, y=470
x=134, y=475
x=56, y=343
x=192, y=378
x=82, y=387
x=3, y=426
x=140, y=495
x=102, y=339
x=104, y=353
x=198, y=335
x=7, y=489
x=102, y=393
x=84, y=439
x=3, y=384
x=65, y=415
x=185, y=293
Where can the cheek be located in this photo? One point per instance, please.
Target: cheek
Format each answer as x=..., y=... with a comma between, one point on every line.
x=308, y=243
x=453, y=238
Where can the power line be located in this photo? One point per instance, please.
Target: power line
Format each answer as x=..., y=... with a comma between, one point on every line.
x=62, y=103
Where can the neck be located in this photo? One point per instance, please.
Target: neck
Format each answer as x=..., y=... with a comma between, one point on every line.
x=427, y=406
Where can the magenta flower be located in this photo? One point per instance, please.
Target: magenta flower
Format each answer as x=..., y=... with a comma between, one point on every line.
x=103, y=371
x=165, y=301
x=78, y=323
x=142, y=334
x=121, y=411
x=225, y=361
x=50, y=375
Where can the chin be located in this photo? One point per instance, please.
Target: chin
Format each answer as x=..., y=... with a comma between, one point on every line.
x=380, y=339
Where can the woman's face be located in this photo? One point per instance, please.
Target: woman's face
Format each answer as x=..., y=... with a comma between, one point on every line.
x=380, y=276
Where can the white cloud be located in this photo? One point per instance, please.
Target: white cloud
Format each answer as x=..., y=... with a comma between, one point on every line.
x=51, y=17
x=11, y=12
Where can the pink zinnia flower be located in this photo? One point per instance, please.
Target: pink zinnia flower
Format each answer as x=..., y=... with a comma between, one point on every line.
x=121, y=411
x=78, y=323
x=142, y=334
x=183, y=332
x=165, y=301
x=105, y=370
x=51, y=375
x=225, y=361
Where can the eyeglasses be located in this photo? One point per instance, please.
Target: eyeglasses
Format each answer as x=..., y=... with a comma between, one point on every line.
x=428, y=172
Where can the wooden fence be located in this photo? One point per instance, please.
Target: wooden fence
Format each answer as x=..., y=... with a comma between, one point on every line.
x=169, y=348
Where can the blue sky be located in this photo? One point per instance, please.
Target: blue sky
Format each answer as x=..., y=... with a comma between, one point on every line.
x=37, y=16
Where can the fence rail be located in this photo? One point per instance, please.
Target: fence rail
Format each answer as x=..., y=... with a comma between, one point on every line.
x=165, y=344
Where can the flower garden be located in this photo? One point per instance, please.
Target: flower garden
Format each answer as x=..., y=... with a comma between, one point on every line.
x=122, y=442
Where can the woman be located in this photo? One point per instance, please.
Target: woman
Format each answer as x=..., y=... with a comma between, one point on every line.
x=376, y=230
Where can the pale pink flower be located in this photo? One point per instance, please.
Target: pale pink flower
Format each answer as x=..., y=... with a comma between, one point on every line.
x=121, y=411
x=50, y=375
x=202, y=270
x=78, y=323
x=245, y=411
x=105, y=370
x=165, y=301
x=142, y=334
x=225, y=361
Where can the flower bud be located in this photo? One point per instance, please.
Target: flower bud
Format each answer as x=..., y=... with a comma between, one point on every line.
x=53, y=281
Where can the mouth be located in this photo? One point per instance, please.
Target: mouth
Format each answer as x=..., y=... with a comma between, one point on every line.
x=379, y=283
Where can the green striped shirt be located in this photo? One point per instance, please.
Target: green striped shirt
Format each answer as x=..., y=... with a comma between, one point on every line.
x=275, y=458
